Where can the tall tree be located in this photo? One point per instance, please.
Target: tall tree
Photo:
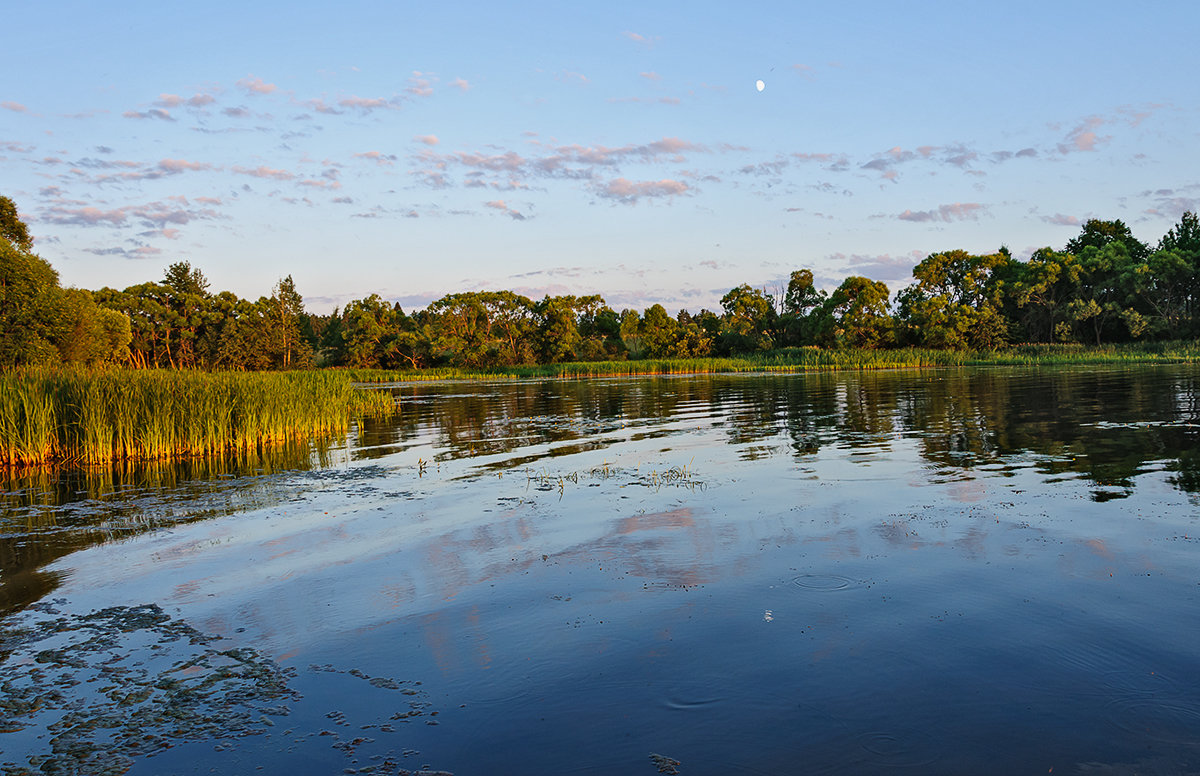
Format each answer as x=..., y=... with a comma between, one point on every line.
x=748, y=322
x=287, y=308
x=12, y=228
x=956, y=301
x=1097, y=234
x=856, y=315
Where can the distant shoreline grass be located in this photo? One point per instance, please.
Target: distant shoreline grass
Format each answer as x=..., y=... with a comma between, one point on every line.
x=813, y=360
x=85, y=417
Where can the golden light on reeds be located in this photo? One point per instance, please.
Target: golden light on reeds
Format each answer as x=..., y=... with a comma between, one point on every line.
x=95, y=417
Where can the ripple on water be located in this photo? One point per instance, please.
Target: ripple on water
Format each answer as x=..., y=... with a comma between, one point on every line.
x=825, y=583
x=898, y=748
x=1168, y=720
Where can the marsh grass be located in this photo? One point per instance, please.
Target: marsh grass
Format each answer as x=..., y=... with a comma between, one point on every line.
x=813, y=359
x=97, y=417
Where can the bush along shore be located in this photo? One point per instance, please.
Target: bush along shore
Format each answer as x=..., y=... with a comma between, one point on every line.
x=812, y=359
x=90, y=417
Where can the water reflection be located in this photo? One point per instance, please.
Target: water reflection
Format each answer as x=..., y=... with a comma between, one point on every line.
x=46, y=514
x=1106, y=426
x=832, y=573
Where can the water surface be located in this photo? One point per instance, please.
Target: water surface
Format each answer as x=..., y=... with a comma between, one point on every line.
x=951, y=571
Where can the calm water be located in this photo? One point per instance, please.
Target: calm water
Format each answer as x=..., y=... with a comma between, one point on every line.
x=940, y=572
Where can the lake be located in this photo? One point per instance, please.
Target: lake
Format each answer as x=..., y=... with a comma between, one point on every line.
x=984, y=571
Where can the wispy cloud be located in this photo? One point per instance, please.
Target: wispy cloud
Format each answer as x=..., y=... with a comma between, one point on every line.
x=198, y=100
x=641, y=40
x=1083, y=137
x=152, y=113
x=16, y=107
x=429, y=140
x=380, y=158
x=500, y=205
x=368, y=104
x=460, y=84
x=628, y=192
x=174, y=210
x=140, y=252
x=420, y=84
x=263, y=171
x=1062, y=220
x=957, y=211
x=255, y=85
x=570, y=76
x=879, y=266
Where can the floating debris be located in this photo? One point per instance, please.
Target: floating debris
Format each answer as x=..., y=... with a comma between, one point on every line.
x=102, y=688
x=665, y=764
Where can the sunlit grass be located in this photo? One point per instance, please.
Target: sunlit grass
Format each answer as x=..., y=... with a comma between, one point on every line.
x=93, y=417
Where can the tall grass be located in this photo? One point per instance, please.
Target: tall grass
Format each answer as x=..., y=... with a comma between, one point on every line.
x=94, y=417
x=814, y=359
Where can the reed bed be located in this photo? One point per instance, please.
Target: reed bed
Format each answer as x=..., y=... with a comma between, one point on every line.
x=812, y=359
x=97, y=417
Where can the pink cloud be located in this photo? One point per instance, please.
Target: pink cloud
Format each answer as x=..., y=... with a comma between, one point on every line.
x=429, y=140
x=420, y=84
x=385, y=160
x=629, y=192
x=651, y=76
x=255, y=85
x=500, y=205
x=152, y=113
x=460, y=84
x=180, y=165
x=640, y=39
x=175, y=210
x=1084, y=137
x=195, y=101
x=320, y=106
x=16, y=107
x=366, y=104
x=264, y=172
x=320, y=184
x=1061, y=220
x=958, y=211
x=881, y=267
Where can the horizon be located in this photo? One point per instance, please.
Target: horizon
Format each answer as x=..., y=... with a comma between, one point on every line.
x=623, y=151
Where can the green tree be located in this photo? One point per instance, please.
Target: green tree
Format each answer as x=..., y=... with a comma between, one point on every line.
x=1044, y=290
x=631, y=333
x=557, y=329
x=286, y=311
x=185, y=312
x=33, y=320
x=748, y=321
x=856, y=315
x=802, y=304
x=12, y=229
x=658, y=332
x=956, y=301
x=1097, y=234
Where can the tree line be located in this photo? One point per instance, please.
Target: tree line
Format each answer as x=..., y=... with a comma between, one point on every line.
x=1104, y=286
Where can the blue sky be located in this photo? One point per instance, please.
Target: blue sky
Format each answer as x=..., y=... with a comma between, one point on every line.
x=415, y=150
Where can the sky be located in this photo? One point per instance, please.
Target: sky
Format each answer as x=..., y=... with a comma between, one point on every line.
x=413, y=150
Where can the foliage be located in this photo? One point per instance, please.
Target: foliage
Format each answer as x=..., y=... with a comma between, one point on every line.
x=1105, y=287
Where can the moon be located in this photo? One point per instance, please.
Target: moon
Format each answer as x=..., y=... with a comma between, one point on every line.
x=759, y=85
